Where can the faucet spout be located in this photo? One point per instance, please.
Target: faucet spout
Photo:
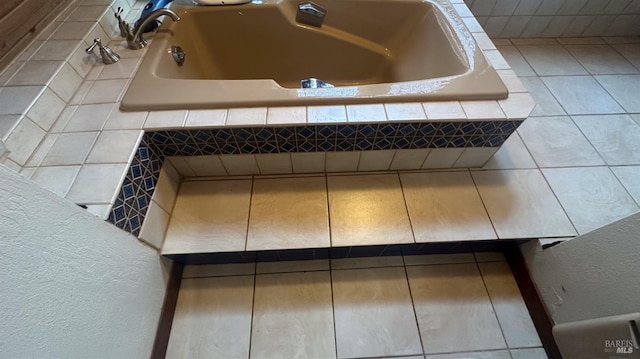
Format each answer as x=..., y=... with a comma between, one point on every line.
x=135, y=40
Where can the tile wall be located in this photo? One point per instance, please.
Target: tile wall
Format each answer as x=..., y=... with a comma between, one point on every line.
x=557, y=18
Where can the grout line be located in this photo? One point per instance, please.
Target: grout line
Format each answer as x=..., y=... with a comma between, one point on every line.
x=588, y=140
x=564, y=47
x=406, y=208
x=495, y=313
x=413, y=305
x=553, y=95
x=246, y=238
x=326, y=188
x=624, y=110
x=623, y=55
x=560, y=203
x=493, y=226
x=526, y=148
x=333, y=310
x=623, y=186
x=253, y=305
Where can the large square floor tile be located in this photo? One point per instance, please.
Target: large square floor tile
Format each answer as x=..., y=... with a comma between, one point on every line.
x=549, y=60
x=601, y=59
x=451, y=302
x=209, y=216
x=289, y=213
x=581, y=95
x=521, y=204
x=616, y=137
x=507, y=301
x=367, y=209
x=592, y=196
x=293, y=316
x=557, y=142
x=445, y=206
x=212, y=318
x=624, y=89
x=374, y=314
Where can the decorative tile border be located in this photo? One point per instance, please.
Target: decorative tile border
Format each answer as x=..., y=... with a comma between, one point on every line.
x=130, y=208
x=131, y=205
x=330, y=138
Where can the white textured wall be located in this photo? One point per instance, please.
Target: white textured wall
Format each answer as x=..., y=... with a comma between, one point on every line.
x=591, y=276
x=72, y=285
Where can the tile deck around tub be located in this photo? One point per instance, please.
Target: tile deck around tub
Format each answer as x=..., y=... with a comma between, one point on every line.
x=261, y=141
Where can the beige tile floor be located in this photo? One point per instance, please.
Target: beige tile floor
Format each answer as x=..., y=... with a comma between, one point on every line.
x=442, y=306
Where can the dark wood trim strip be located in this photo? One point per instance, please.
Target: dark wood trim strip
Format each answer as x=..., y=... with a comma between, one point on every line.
x=343, y=252
x=538, y=311
x=163, y=331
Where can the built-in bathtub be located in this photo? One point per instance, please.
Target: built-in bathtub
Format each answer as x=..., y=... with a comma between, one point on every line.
x=256, y=55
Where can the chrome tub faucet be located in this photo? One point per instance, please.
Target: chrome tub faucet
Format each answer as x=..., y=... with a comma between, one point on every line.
x=134, y=37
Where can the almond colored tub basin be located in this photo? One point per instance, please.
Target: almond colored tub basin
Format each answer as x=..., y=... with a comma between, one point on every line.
x=257, y=54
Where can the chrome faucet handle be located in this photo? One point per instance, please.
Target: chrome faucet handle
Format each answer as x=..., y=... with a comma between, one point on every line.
x=310, y=13
x=108, y=56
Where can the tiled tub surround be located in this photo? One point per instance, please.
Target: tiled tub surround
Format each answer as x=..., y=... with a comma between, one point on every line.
x=529, y=164
x=321, y=148
x=577, y=152
x=85, y=149
x=557, y=18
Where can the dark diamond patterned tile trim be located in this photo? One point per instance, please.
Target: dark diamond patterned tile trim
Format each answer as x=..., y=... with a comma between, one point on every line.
x=134, y=197
x=329, y=138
